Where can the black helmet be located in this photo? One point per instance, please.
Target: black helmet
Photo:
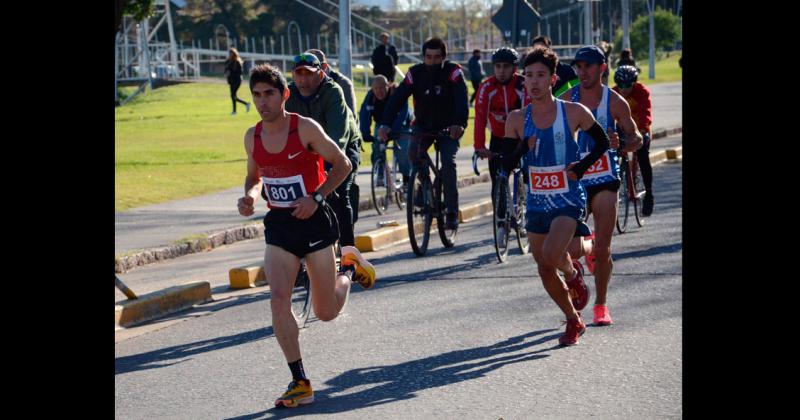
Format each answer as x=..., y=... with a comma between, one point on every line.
x=626, y=75
x=505, y=55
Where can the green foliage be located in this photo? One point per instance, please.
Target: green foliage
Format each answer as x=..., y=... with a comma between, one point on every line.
x=666, y=28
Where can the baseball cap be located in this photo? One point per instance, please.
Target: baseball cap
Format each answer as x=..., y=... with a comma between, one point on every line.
x=308, y=62
x=591, y=54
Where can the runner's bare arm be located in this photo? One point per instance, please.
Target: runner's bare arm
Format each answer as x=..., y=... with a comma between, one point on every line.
x=580, y=117
x=317, y=141
x=621, y=112
x=252, y=182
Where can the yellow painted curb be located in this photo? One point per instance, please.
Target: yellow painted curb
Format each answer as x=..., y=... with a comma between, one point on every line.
x=247, y=277
x=474, y=211
x=382, y=238
x=673, y=153
x=376, y=240
x=117, y=316
x=163, y=302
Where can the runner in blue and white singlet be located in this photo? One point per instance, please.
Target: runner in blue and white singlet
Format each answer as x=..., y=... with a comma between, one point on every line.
x=549, y=188
x=606, y=169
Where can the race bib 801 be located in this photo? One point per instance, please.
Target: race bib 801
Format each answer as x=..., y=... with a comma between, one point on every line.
x=548, y=180
x=281, y=192
x=600, y=168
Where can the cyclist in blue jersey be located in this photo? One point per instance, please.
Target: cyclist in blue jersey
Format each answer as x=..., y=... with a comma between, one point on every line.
x=556, y=199
x=602, y=180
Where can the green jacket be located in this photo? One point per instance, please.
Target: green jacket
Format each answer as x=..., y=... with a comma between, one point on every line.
x=327, y=107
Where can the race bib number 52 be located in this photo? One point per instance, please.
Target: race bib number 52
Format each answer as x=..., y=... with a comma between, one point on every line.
x=281, y=192
x=548, y=180
x=599, y=168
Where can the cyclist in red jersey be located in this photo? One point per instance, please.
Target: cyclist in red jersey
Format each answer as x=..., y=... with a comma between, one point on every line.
x=497, y=96
x=286, y=152
x=638, y=97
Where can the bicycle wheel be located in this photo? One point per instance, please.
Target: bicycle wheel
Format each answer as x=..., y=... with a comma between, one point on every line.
x=301, y=297
x=521, y=208
x=419, y=212
x=624, y=201
x=380, y=192
x=399, y=188
x=448, y=236
x=501, y=235
x=638, y=185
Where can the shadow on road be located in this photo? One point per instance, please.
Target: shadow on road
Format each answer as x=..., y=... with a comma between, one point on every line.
x=400, y=382
x=161, y=357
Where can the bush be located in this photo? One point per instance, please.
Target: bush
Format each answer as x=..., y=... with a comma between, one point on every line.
x=667, y=31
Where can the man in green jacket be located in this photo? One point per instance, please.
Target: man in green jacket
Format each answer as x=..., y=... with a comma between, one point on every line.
x=315, y=95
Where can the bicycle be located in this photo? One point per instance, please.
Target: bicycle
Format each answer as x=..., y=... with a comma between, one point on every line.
x=514, y=215
x=389, y=185
x=425, y=200
x=631, y=188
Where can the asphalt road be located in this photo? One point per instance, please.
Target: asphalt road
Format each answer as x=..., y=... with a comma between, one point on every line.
x=453, y=334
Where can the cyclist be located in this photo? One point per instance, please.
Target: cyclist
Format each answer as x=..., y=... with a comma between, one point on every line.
x=372, y=110
x=440, y=103
x=638, y=97
x=602, y=181
x=555, y=200
x=497, y=96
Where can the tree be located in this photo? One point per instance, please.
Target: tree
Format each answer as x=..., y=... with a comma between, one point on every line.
x=140, y=9
x=667, y=30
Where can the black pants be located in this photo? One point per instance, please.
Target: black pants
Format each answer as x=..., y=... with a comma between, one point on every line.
x=475, y=85
x=234, y=84
x=643, y=155
x=448, y=147
x=499, y=145
x=340, y=201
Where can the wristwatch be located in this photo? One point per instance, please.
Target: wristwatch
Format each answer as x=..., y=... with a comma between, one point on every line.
x=318, y=197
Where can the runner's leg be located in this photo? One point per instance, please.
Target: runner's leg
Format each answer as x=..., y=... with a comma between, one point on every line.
x=604, y=210
x=328, y=290
x=281, y=267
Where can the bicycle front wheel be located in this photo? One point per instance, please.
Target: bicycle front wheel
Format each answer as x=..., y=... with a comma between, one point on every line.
x=638, y=187
x=448, y=236
x=399, y=187
x=301, y=297
x=624, y=198
x=500, y=219
x=521, y=204
x=419, y=212
x=378, y=182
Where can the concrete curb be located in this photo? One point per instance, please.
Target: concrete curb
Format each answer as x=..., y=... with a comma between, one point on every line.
x=247, y=277
x=389, y=236
x=664, y=132
x=160, y=303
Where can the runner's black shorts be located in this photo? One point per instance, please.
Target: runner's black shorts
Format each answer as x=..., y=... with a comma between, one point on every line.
x=301, y=237
x=592, y=190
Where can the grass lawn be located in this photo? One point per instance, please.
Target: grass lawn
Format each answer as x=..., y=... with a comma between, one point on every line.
x=180, y=141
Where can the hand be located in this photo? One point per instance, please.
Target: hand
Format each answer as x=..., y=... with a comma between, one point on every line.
x=383, y=133
x=304, y=207
x=570, y=174
x=456, y=131
x=635, y=144
x=246, y=207
x=532, y=143
x=614, y=138
x=483, y=153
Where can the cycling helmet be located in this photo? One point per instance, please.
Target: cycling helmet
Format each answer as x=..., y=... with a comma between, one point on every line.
x=505, y=55
x=626, y=75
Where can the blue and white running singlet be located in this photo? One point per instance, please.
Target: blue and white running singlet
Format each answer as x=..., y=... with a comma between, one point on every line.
x=546, y=162
x=606, y=169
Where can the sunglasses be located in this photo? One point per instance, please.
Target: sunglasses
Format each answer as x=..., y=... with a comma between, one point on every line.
x=308, y=58
x=624, y=85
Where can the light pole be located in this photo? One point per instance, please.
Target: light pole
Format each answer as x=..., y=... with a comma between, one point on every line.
x=652, y=70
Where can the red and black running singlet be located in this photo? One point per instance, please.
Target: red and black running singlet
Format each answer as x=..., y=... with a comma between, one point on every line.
x=292, y=173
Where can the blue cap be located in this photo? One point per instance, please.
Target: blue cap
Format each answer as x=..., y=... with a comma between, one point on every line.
x=591, y=54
